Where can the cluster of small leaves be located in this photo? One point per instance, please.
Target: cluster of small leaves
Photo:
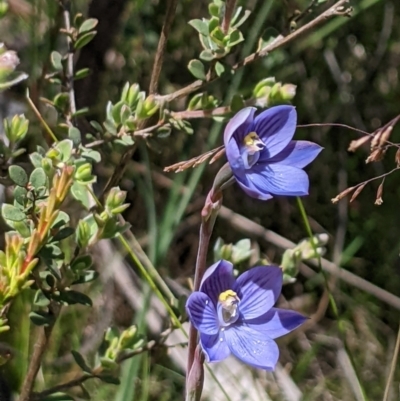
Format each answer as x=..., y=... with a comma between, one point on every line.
x=215, y=42
x=15, y=130
x=243, y=252
x=80, y=34
x=116, y=347
x=124, y=117
x=269, y=93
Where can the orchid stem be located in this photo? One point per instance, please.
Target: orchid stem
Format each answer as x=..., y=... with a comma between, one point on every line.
x=206, y=229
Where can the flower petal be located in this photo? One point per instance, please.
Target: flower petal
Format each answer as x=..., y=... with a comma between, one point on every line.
x=217, y=278
x=247, y=185
x=296, y=154
x=275, y=127
x=239, y=124
x=278, y=179
x=237, y=128
x=202, y=313
x=214, y=349
x=277, y=322
x=258, y=290
x=252, y=347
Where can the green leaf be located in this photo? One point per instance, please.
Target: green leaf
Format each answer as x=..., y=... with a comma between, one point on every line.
x=88, y=25
x=18, y=175
x=61, y=220
x=65, y=147
x=36, y=159
x=207, y=55
x=96, y=126
x=58, y=397
x=41, y=318
x=75, y=135
x=200, y=26
x=74, y=297
x=235, y=37
x=219, y=68
x=63, y=233
x=40, y=299
x=196, y=67
x=242, y=20
x=12, y=213
x=213, y=9
x=91, y=155
x=82, y=73
x=82, y=263
x=20, y=195
x=86, y=277
x=81, y=194
x=56, y=60
x=84, y=39
x=80, y=360
x=38, y=178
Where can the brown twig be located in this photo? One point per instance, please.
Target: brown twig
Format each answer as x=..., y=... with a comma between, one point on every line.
x=229, y=10
x=337, y=9
x=37, y=356
x=66, y=5
x=162, y=43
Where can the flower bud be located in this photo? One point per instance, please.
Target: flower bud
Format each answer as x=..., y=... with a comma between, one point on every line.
x=83, y=234
x=17, y=128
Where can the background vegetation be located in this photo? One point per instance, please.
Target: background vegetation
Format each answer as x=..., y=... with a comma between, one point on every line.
x=345, y=70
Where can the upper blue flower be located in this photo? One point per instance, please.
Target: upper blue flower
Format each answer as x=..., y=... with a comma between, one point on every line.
x=237, y=316
x=262, y=155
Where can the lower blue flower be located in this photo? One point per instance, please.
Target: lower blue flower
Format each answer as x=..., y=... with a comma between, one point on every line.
x=236, y=316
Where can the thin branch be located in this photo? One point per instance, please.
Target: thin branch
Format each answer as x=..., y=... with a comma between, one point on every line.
x=337, y=9
x=392, y=367
x=229, y=10
x=37, y=356
x=66, y=5
x=162, y=43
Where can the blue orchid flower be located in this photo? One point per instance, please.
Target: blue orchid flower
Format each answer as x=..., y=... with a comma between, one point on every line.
x=263, y=158
x=236, y=316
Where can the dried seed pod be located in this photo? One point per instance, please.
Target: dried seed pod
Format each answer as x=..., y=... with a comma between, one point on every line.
x=354, y=145
x=379, y=193
x=342, y=194
x=358, y=191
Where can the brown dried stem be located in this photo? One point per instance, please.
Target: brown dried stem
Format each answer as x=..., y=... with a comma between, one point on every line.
x=37, y=356
x=229, y=10
x=162, y=43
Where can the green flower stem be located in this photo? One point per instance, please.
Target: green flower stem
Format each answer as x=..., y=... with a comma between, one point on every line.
x=331, y=299
x=151, y=282
x=41, y=119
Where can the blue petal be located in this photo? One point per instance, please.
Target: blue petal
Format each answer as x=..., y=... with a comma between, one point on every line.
x=296, y=154
x=214, y=349
x=277, y=322
x=258, y=290
x=252, y=347
x=239, y=124
x=237, y=128
x=278, y=179
x=247, y=185
x=217, y=278
x=275, y=127
x=202, y=313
